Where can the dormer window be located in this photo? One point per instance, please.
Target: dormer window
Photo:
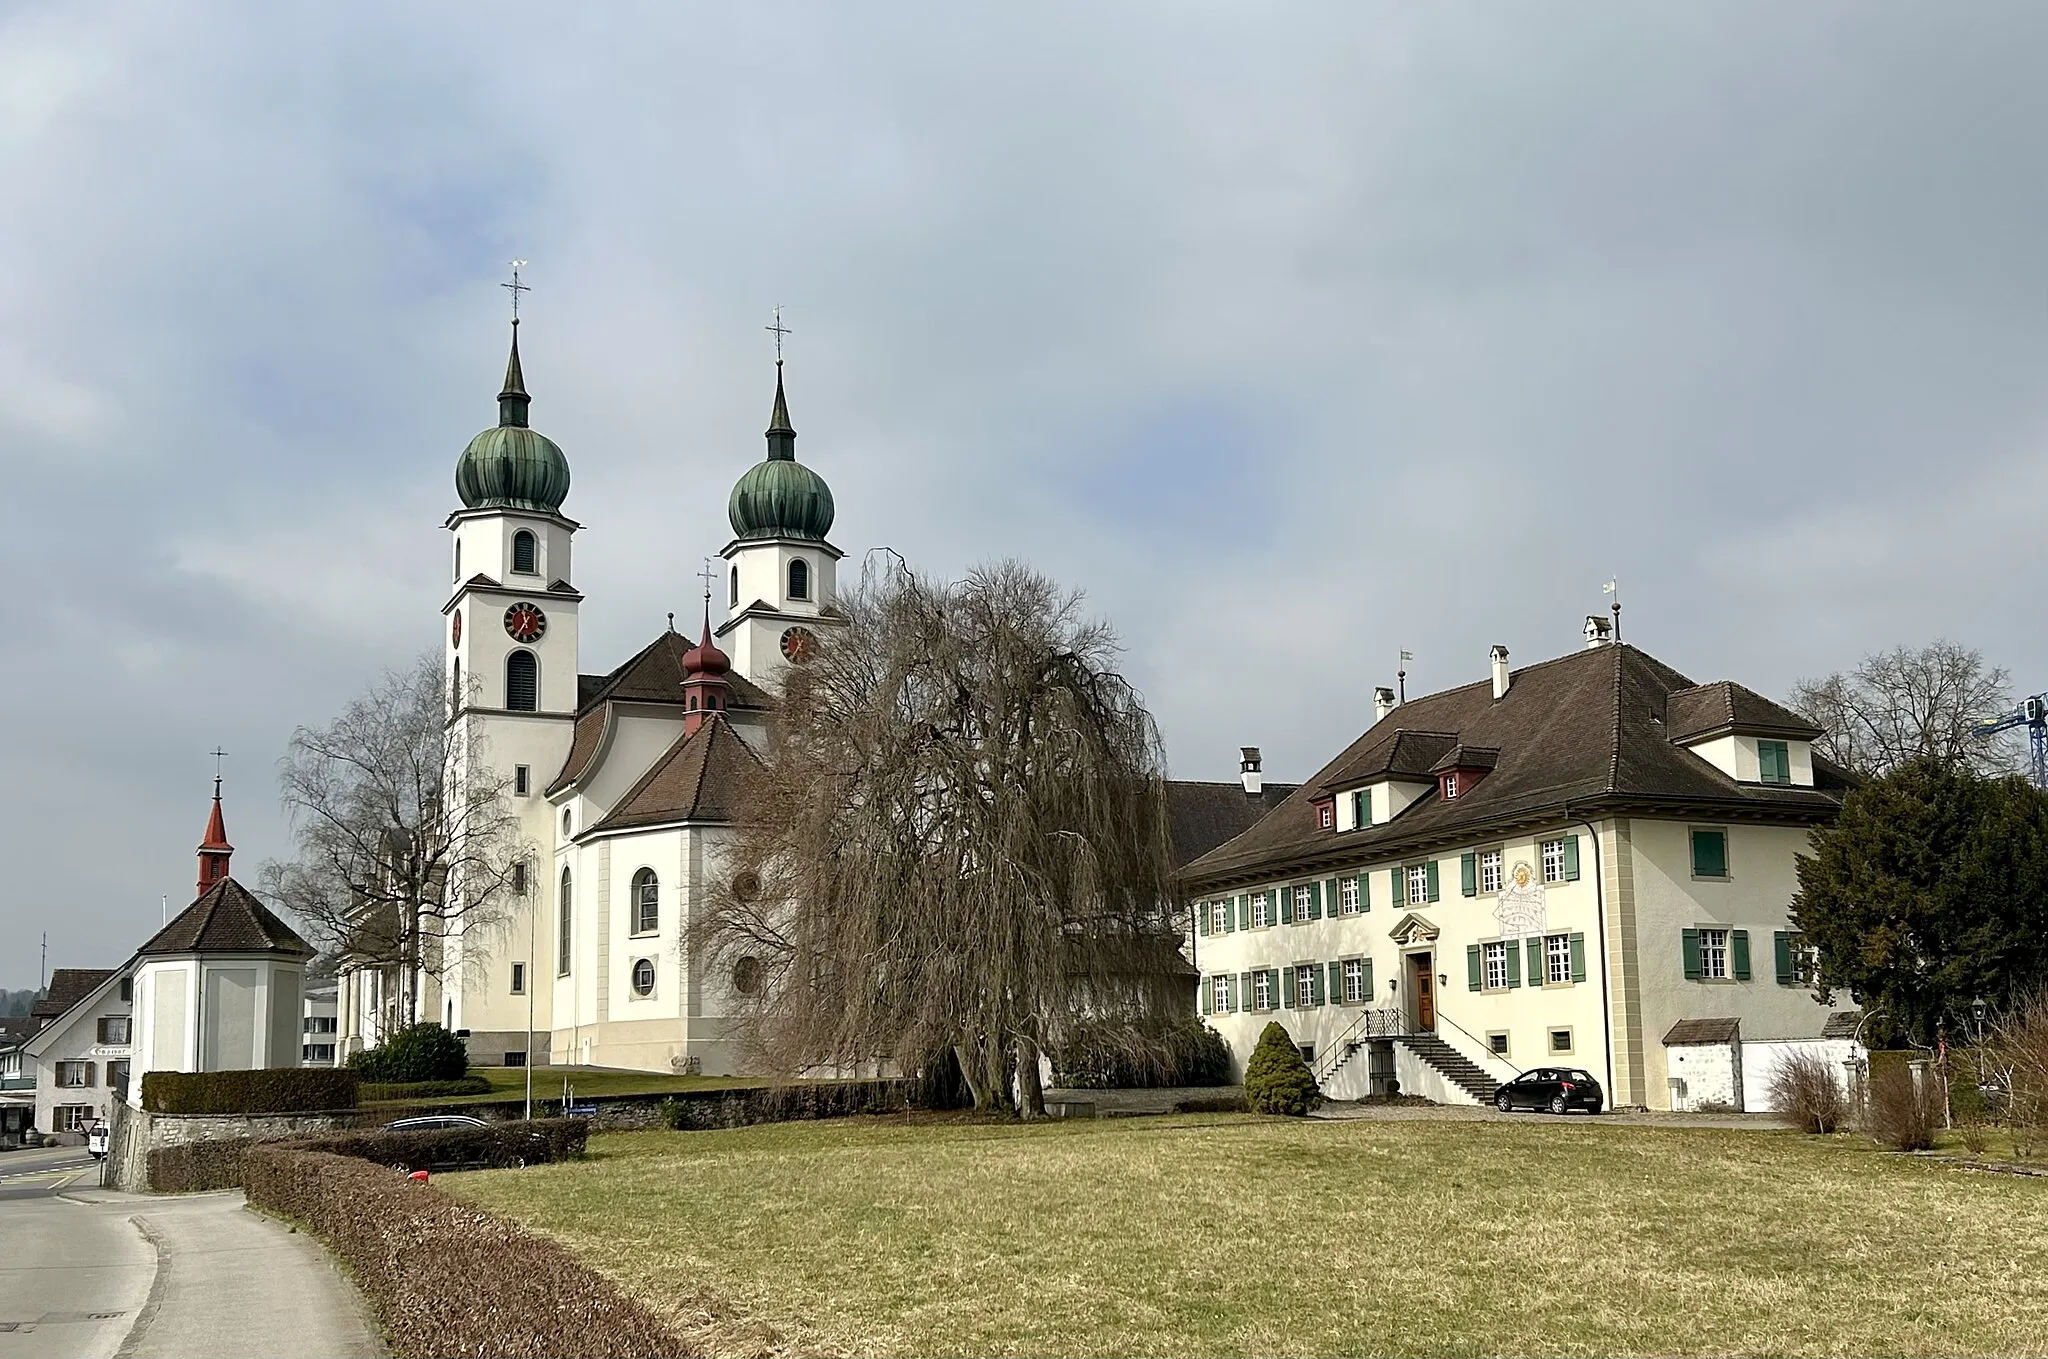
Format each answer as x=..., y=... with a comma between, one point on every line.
x=1361, y=808
x=525, y=553
x=1450, y=784
x=1326, y=814
x=1774, y=762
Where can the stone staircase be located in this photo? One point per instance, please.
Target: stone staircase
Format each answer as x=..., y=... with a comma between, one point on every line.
x=1453, y=1065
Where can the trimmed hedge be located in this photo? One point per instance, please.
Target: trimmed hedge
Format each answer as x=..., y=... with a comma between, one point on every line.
x=497, y=1145
x=1107, y=1058
x=197, y=1166
x=446, y=1278
x=384, y=1090
x=696, y=1110
x=272, y=1090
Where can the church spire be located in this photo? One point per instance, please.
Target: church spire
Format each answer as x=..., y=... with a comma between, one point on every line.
x=513, y=401
x=781, y=437
x=214, y=850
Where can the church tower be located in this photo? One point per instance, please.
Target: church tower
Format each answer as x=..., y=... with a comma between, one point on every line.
x=782, y=572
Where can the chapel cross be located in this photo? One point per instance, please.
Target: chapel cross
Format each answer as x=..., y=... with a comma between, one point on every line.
x=707, y=575
x=517, y=288
x=218, y=755
x=780, y=331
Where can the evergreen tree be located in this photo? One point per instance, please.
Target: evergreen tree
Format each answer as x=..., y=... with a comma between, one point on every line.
x=1276, y=1080
x=1930, y=890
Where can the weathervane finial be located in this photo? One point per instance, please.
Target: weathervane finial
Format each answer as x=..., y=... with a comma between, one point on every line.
x=218, y=755
x=517, y=288
x=780, y=331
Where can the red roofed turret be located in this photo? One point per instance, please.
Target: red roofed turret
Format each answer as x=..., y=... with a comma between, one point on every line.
x=704, y=671
x=214, y=850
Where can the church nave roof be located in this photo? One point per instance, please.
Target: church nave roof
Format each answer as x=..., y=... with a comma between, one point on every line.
x=697, y=780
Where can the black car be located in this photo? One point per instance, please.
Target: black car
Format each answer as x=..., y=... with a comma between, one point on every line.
x=1560, y=1089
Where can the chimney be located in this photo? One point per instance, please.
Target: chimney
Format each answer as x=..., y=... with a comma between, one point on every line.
x=1382, y=702
x=1598, y=631
x=1248, y=770
x=1500, y=672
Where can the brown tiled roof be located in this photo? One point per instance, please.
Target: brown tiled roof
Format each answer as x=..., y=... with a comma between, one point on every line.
x=226, y=919
x=1201, y=816
x=654, y=674
x=16, y=1030
x=697, y=780
x=1586, y=731
x=1703, y=1031
x=583, y=745
x=1709, y=709
x=1466, y=757
x=68, y=985
x=1841, y=1024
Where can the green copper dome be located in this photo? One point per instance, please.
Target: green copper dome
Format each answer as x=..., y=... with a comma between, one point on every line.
x=512, y=466
x=780, y=497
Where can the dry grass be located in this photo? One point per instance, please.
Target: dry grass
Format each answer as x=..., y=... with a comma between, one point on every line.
x=1236, y=1235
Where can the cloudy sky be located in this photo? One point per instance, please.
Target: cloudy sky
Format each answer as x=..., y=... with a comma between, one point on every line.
x=1295, y=335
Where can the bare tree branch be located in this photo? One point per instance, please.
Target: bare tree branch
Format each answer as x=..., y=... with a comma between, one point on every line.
x=1900, y=705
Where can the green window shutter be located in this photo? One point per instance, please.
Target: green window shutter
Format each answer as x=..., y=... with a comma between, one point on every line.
x=1741, y=951
x=1471, y=967
x=1709, y=854
x=1333, y=899
x=1781, y=951
x=1538, y=973
x=1315, y=985
x=1201, y=918
x=1514, y=964
x=1287, y=905
x=1578, y=957
x=1571, y=858
x=1315, y=901
x=1689, y=947
x=1229, y=915
x=1365, y=983
x=1468, y=874
x=1431, y=866
x=1364, y=892
x=1279, y=996
x=1399, y=893
x=1286, y=988
x=1208, y=995
x=1243, y=999
x=1336, y=971
x=1361, y=809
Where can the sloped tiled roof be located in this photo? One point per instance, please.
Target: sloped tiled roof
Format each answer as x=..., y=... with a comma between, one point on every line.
x=1708, y=709
x=68, y=985
x=1703, y=1031
x=1584, y=731
x=697, y=780
x=226, y=919
x=653, y=674
x=1466, y=757
x=1841, y=1024
x=1201, y=816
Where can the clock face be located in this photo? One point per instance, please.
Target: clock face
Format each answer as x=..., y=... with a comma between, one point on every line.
x=799, y=644
x=455, y=630
x=525, y=622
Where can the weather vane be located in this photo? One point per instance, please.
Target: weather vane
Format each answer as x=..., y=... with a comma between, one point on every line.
x=780, y=331
x=517, y=288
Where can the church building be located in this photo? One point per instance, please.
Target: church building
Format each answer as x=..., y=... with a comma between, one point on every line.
x=623, y=780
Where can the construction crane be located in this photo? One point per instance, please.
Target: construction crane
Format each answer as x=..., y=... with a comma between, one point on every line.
x=2033, y=715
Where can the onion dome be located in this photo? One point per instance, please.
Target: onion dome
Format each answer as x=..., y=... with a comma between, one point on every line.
x=779, y=497
x=705, y=658
x=511, y=466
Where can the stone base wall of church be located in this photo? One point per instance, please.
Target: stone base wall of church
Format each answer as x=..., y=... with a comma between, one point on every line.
x=491, y=1047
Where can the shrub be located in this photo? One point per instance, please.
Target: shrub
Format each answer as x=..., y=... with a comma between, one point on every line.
x=1276, y=1080
x=1805, y=1094
x=193, y=1167
x=446, y=1278
x=1904, y=1113
x=272, y=1090
x=468, y=1085
x=496, y=1145
x=417, y=1052
x=1124, y=1058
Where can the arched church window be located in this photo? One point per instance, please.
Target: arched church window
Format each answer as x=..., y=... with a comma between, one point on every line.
x=455, y=684
x=522, y=682
x=799, y=578
x=646, y=902
x=525, y=552
x=732, y=598
x=458, y=559
x=565, y=920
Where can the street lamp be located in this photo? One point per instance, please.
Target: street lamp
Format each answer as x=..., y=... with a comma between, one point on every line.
x=1978, y=1011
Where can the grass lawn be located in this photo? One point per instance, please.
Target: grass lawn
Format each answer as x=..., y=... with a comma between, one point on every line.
x=1237, y=1235
x=509, y=1082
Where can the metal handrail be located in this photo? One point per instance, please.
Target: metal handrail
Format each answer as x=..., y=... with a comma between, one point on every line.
x=1484, y=1050
x=1370, y=1024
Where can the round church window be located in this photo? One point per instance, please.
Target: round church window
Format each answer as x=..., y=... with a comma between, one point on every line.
x=746, y=884
x=746, y=976
x=643, y=977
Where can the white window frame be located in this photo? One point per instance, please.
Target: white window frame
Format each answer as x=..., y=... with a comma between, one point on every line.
x=1489, y=872
x=1417, y=878
x=1305, y=986
x=1216, y=911
x=80, y=1069
x=1304, y=897
x=1262, y=990
x=646, y=902
x=1347, y=896
x=1262, y=910
x=127, y=1030
x=1557, y=959
x=73, y=1117
x=1451, y=784
x=1714, y=955
x=1352, y=971
x=1553, y=859
x=1493, y=965
x=519, y=979
x=633, y=978
x=1219, y=994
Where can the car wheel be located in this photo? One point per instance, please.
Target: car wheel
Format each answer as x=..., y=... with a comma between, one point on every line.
x=1557, y=1105
x=1503, y=1103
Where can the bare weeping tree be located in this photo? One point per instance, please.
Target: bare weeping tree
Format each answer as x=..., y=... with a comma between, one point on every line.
x=403, y=836
x=1903, y=704
x=956, y=842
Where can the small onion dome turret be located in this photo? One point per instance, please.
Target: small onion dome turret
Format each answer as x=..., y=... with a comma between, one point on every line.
x=512, y=466
x=779, y=497
x=705, y=658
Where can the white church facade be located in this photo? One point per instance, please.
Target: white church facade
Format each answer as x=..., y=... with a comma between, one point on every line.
x=622, y=782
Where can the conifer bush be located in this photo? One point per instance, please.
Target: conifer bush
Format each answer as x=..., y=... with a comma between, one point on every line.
x=1276, y=1080
x=417, y=1052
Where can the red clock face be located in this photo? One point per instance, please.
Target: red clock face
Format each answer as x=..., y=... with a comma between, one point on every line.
x=455, y=631
x=525, y=622
x=799, y=644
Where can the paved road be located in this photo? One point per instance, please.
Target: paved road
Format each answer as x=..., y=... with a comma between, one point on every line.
x=91, y=1274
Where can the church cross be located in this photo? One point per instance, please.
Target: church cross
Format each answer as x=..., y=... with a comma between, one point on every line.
x=218, y=755
x=707, y=575
x=517, y=288
x=780, y=331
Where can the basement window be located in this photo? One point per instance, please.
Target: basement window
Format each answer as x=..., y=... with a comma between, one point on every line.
x=1497, y=1042
x=1560, y=1040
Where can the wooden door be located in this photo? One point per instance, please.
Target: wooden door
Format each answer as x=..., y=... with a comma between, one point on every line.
x=1423, y=968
